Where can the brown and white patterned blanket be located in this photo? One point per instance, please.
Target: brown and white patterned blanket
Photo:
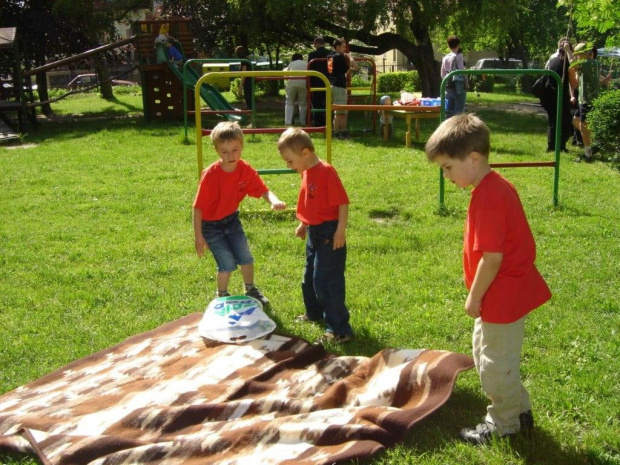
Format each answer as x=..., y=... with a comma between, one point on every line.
x=168, y=396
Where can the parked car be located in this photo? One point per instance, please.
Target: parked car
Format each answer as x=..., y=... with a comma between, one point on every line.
x=496, y=63
x=9, y=86
x=87, y=80
x=485, y=83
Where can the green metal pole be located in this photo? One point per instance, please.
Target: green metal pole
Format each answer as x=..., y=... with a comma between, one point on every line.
x=558, y=131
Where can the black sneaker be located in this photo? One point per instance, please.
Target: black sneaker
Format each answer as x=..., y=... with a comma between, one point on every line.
x=258, y=295
x=526, y=420
x=481, y=434
x=223, y=294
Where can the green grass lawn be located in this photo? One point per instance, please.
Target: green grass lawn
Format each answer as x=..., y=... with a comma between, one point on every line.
x=96, y=245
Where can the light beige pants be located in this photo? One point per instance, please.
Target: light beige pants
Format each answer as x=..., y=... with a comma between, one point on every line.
x=497, y=355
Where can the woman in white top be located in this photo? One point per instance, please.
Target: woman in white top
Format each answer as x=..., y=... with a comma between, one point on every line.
x=296, y=92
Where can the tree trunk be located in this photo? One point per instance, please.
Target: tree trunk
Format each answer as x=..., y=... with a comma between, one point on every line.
x=424, y=60
x=42, y=82
x=103, y=72
x=43, y=94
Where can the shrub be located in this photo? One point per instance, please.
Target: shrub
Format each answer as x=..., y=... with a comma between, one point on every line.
x=525, y=83
x=268, y=88
x=604, y=121
x=234, y=86
x=358, y=81
x=482, y=83
x=400, y=80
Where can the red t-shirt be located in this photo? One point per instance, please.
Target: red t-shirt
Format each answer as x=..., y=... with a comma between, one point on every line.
x=496, y=222
x=320, y=195
x=220, y=193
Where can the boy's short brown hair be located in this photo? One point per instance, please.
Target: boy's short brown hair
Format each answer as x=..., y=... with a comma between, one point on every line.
x=295, y=139
x=458, y=136
x=453, y=41
x=226, y=131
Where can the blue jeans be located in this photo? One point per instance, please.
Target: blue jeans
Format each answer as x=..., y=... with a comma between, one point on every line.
x=227, y=242
x=323, y=285
x=456, y=99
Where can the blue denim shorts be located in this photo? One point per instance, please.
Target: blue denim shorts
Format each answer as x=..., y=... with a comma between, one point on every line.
x=227, y=242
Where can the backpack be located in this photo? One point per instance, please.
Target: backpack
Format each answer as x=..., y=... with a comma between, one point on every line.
x=540, y=88
x=458, y=78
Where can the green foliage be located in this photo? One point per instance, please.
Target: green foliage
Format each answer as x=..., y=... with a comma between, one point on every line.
x=265, y=88
x=398, y=81
x=235, y=86
x=604, y=120
x=359, y=81
x=596, y=16
x=525, y=82
x=482, y=82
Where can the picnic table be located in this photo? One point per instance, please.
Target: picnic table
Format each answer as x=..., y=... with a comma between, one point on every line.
x=406, y=112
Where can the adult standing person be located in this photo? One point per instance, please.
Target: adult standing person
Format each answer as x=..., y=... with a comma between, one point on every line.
x=586, y=75
x=338, y=64
x=318, y=97
x=296, y=92
x=560, y=63
x=455, y=89
x=246, y=83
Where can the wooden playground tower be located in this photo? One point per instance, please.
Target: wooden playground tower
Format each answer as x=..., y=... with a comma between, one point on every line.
x=162, y=92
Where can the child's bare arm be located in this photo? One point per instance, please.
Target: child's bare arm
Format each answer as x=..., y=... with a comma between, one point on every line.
x=485, y=274
x=276, y=203
x=199, y=240
x=340, y=236
x=352, y=63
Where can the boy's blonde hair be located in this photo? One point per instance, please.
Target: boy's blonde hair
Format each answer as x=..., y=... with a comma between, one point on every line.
x=296, y=140
x=226, y=131
x=458, y=136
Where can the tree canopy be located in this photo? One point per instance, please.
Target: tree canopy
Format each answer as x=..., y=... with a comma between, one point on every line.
x=515, y=28
x=54, y=29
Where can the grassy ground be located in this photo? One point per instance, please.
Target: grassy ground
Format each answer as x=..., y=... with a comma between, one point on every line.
x=96, y=245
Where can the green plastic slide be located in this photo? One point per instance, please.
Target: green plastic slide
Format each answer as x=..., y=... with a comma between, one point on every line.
x=208, y=93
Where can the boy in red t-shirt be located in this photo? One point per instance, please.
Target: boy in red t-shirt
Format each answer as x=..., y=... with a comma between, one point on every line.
x=322, y=209
x=498, y=262
x=217, y=227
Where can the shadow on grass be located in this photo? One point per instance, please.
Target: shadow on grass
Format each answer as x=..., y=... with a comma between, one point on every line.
x=76, y=127
x=464, y=409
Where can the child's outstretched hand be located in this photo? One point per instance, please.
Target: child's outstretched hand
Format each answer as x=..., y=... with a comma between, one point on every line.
x=278, y=205
x=201, y=246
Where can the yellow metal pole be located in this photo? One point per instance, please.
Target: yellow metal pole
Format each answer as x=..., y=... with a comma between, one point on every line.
x=197, y=104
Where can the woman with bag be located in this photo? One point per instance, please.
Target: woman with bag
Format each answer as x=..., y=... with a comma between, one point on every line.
x=456, y=92
x=559, y=62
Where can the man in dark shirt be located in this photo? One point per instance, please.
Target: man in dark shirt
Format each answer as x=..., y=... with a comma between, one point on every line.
x=338, y=64
x=318, y=97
